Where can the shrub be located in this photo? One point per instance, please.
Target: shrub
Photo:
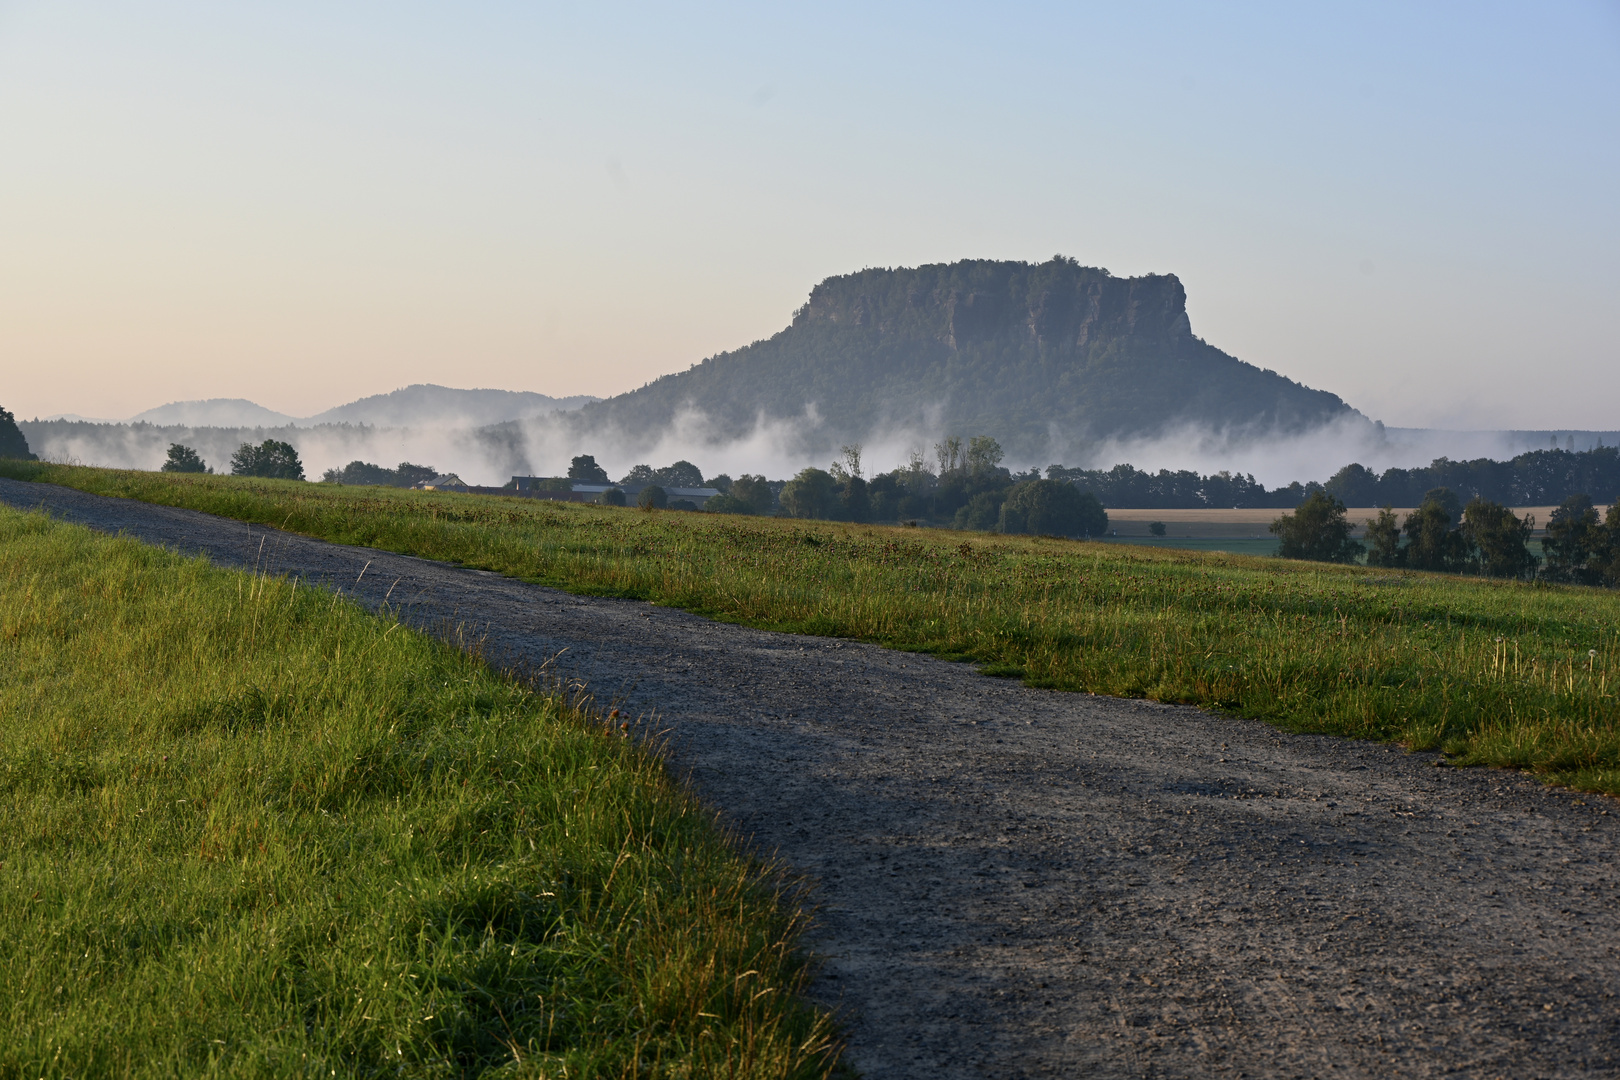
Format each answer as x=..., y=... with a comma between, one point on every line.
x=652, y=497
x=612, y=497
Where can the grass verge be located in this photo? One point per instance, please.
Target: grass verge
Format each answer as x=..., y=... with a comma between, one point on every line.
x=248, y=829
x=1490, y=672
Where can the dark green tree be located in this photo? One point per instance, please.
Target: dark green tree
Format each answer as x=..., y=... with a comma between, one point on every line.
x=1498, y=539
x=982, y=512
x=1384, y=540
x=753, y=490
x=727, y=503
x=1316, y=530
x=983, y=454
x=1052, y=508
x=1354, y=485
x=183, y=459
x=585, y=468
x=363, y=473
x=721, y=483
x=640, y=474
x=1446, y=499
x=1604, y=561
x=652, y=497
x=1432, y=541
x=682, y=474
x=12, y=442
x=810, y=494
x=271, y=460
x=885, y=491
x=854, y=504
x=612, y=497
x=1574, y=534
x=1154, y=527
x=408, y=475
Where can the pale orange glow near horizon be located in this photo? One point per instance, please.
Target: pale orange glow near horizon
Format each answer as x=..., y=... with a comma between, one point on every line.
x=301, y=205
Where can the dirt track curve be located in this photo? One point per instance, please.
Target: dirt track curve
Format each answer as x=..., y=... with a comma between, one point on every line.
x=1023, y=883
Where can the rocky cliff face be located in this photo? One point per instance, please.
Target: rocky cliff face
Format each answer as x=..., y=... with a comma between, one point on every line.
x=1041, y=356
x=1058, y=306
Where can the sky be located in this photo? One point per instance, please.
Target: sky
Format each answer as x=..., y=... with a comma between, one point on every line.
x=1412, y=205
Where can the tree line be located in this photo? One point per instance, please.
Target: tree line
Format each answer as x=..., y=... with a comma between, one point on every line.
x=1482, y=537
x=1534, y=478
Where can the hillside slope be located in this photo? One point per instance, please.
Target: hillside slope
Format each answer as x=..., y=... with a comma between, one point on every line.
x=1028, y=353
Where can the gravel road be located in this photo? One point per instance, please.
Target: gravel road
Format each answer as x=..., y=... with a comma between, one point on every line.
x=1023, y=883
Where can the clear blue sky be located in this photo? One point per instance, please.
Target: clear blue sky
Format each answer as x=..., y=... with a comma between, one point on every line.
x=1413, y=205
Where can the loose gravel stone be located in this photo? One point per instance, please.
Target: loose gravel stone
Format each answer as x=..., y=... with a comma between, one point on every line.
x=1025, y=883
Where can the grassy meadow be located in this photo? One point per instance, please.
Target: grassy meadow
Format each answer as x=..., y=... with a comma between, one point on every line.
x=247, y=829
x=1490, y=672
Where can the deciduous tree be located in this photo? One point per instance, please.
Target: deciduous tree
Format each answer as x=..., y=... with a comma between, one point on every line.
x=1316, y=530
x=1384, y=540
x=585, y=468
x=271, y=460
x=810, y=494
x=183, y=459
x=1499, y=538
x=12, y=442
x=1575, y=534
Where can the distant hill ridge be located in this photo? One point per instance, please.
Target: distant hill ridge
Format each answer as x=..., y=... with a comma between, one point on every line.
x=421, y=403
x=1029, y=353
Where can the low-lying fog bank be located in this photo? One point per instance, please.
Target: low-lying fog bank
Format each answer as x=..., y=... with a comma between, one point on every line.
x=492, y=454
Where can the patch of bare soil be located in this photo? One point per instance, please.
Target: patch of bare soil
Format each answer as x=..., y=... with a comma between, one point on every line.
x=1022, y=883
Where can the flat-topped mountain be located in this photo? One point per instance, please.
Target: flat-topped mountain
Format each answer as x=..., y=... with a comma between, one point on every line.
x=1032, y=354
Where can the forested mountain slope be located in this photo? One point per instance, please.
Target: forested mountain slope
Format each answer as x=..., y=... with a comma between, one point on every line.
x=1026, y=353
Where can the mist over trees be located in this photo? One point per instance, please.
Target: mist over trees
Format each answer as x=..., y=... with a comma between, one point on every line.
x=970, y=490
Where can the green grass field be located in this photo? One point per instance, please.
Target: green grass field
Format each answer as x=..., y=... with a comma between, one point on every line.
x=251, y=830
x=1490, y=672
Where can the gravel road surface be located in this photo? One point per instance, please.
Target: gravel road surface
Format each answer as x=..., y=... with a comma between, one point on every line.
x=1023, y=883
